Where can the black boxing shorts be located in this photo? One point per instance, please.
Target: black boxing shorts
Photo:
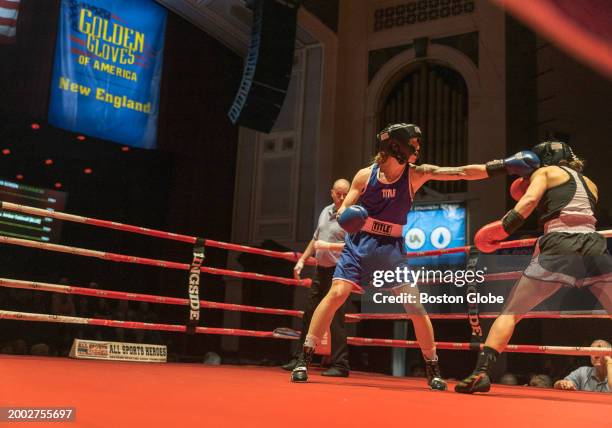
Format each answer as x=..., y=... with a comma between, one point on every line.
x=573, y=259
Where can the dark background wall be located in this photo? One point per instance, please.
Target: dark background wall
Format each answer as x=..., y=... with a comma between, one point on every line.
x=552, y=95
x=185, y=186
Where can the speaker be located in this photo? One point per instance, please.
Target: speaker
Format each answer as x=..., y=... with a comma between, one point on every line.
x=267, y=69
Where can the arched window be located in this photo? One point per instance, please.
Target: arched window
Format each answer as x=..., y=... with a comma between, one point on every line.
x=435, y=98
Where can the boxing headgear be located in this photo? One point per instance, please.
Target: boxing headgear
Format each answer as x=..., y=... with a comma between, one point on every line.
x=553, y=152
x=395, y=140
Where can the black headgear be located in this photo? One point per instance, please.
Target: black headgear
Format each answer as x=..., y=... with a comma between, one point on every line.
x=553, y=152
x=395, y=140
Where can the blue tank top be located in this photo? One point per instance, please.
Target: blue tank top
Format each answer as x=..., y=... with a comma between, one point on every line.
x=387, y=202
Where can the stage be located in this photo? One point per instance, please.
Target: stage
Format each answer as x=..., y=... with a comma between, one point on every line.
x=120, y=394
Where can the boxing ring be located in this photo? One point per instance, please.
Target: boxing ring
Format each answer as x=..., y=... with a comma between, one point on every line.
x=110, y=394
x=107, y=393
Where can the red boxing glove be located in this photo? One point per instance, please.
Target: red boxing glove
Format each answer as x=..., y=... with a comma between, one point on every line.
x=519, y=188
x=487, y=239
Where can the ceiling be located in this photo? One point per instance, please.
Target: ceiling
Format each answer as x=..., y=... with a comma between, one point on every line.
x=229, y=21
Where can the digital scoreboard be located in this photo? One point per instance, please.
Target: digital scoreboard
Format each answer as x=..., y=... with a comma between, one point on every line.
x=436, y=227
x=26, y=226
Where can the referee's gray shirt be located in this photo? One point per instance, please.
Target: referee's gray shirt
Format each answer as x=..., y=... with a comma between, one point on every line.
x=328, y=230
x=585, y=380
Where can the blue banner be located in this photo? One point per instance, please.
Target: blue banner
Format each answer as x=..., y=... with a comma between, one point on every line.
x=107, y=72
x=435, y=227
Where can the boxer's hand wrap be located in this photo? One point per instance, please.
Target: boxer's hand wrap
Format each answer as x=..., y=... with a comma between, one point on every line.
x=512, y=221
x=353, y=218
x=522, y=164
x=519, y=188
x=487, y=239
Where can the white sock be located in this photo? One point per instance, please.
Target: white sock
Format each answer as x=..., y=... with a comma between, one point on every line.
x=311, y=341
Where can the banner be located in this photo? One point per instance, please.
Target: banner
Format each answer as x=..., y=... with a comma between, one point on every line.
x=107, y=72
x=95, y=350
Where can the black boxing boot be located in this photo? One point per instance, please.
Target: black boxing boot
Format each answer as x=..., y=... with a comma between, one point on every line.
x=480, y=379
x=300, y=372
x=290, y=365
x=434, y=378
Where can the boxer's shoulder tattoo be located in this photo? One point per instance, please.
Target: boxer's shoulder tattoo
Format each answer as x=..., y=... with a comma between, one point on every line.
x=440, y=170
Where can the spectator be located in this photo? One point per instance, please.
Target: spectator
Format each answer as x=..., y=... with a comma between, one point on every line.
x=84, y=303
x=82, y=307
x=541, y=381
x=40, y=333
x=6, y=348
x=143, y=314
x=83, y=311
x=63, y=305
x=123, y=313
x=40, y=349
x=20, y=300
x=102, y=311
x=20, y=347
x=40, y=302
x=212, y=359
x=596, y=378
x=509, y=379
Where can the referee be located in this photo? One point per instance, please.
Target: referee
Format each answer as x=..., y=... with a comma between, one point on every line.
x=327, y=244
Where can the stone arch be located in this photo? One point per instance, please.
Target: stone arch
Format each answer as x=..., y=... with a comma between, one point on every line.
x=397, y=67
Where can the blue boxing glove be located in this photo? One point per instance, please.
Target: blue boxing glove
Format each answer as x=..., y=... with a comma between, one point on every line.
x=353, y=218
x=522, y=164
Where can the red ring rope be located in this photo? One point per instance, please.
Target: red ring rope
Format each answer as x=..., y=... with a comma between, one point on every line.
x=151, y=262
x=191, y=239
x=359, y=341
x=501, y=245
x=356, y=317
x=26, y=316
x=291, y=256
x=527, y=349
x=94, y=292
x=532, y=315
x=227, y=246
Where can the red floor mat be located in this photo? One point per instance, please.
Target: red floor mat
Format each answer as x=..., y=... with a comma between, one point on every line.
x=117, y=394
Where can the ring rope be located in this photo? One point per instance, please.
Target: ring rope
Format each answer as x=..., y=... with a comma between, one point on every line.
x=290, y=256
x=527, y=349
x=95, y=292
x=500, y=245
x=151, y=262
x=487, y=315
x=428, y=253
x=358, y=341
x=355, y=317
x=26, y=316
